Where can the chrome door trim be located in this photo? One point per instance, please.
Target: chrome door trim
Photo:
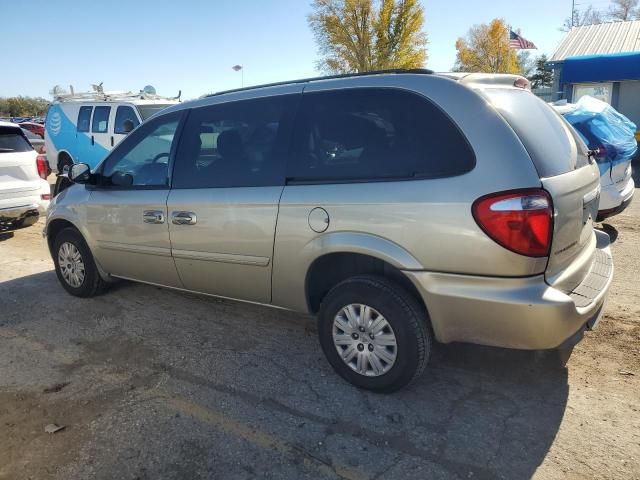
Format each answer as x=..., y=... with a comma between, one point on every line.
x=222, y=257
x=125, y=247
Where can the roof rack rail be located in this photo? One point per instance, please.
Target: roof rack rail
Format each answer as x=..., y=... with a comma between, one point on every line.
x=98, y=94
x=421, y=71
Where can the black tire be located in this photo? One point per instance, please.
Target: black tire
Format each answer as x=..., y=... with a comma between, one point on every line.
x=92, y=283
x=405, y=315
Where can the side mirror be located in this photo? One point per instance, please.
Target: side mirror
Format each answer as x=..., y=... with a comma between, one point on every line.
x=80, y=173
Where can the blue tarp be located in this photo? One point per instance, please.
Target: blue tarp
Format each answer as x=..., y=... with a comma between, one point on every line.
x=601, y=68
x=603, y=127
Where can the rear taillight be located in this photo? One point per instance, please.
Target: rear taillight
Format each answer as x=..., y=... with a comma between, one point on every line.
x=43, y=166
x=521, y=221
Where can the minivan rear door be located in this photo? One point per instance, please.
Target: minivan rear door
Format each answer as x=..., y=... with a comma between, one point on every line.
x=566, y=172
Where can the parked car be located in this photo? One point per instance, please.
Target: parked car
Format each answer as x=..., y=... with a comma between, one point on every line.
x=611, y=137
x=24, y=190
x=36, y=128
x=84, y=127
x=397, y=207
x=36, y=141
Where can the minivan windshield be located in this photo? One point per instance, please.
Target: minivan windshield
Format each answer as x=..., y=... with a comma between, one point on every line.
x=12, y=140
x=148, y=110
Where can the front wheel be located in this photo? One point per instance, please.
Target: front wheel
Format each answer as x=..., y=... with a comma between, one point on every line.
x=374, y=334
x=75, y=267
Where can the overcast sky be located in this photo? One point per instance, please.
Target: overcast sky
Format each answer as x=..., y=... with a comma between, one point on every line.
x=191, y=45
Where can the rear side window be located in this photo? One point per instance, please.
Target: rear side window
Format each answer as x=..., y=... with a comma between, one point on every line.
x=126, y=120
x=12, y=140
x=235, y=144
x=84, y=118
x=375, y=134
x=548, y=138
x=100, y=123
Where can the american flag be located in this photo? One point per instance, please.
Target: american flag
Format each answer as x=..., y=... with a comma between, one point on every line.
x=519, y=43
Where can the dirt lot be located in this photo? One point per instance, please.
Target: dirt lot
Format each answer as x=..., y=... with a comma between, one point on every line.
x=151, y=384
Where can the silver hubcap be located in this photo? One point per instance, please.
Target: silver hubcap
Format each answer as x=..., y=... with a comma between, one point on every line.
x=365, y=340
x=71, y=264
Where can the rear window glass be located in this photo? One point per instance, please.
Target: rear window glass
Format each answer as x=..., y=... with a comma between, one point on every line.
x=147, y=110
x=12, y=140
x=548, y=138
x=375, y=134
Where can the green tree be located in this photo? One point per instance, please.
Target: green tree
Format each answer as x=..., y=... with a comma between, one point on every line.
x=366, y=35
x=542, y=77
x=526, y=63
x=23, y=106
x=486, y=49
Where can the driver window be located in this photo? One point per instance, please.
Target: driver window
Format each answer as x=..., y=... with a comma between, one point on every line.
x=143, y=158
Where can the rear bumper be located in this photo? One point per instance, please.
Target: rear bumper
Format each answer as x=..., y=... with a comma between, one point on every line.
x=614, y=201
x=21, y=216
x=23, y=209
x=523, y=313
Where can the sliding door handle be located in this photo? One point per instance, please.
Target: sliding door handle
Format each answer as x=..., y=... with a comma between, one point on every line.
x=183, y=218
x=153, y=216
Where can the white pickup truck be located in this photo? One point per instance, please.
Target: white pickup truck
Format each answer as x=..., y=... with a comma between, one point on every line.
x=24, y=191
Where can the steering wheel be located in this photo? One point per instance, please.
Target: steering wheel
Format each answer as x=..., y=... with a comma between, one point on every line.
x=159, y=156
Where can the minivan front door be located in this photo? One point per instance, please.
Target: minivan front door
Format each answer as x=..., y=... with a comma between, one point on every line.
x=127, y=211
x=227, y=182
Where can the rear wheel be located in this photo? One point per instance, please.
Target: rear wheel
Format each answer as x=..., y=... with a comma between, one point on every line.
x=374, y=334
x=75, y=266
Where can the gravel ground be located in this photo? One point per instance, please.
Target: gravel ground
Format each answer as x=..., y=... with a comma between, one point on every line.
x=151, y=384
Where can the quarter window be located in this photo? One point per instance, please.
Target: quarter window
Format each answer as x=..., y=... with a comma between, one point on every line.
x=100, y=122
x=235, y=144
x=84, y=118
x=375, y=134
x=142, y=159
x=126, y=120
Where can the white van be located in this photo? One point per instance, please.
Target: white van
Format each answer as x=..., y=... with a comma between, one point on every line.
x=84, y=127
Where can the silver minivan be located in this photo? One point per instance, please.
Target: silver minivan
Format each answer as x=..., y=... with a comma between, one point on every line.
x=399, y=207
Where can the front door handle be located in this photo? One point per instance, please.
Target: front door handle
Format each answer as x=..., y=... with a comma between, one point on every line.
x=153, y=216
x=183, y=218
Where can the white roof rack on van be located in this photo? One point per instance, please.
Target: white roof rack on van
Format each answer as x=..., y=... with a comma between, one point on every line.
x=98, y=94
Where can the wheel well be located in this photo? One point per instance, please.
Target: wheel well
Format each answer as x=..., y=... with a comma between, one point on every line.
x=54, y=228
x=329, y=270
